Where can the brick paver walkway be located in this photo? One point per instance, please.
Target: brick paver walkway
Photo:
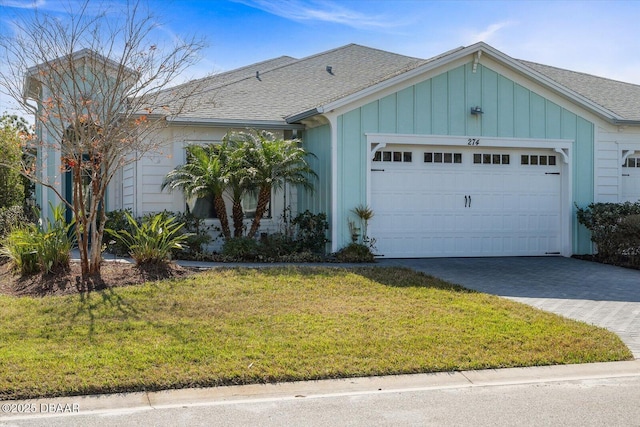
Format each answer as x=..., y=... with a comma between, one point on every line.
x=598, y=294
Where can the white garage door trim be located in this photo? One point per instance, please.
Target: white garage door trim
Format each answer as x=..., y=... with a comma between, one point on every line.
x=629, y=183
x=563, y=147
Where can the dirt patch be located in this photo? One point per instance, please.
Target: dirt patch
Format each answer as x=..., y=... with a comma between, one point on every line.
x=69, y=281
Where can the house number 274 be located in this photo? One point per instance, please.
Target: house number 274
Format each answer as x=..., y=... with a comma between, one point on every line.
x=473, y=141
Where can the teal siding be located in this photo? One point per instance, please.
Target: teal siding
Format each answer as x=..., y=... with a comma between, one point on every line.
x=405, y=111
x=553, y=120
x=422, y=109
x=505, y=116
x=441, y=106
x=457, y=101
x=318, y=142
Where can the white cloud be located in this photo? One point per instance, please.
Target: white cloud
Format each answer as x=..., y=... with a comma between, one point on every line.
x=23, y=4
x=490, y=32
x=323, y=11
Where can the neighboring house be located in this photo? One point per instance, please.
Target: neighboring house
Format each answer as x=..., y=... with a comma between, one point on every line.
x=470, y=153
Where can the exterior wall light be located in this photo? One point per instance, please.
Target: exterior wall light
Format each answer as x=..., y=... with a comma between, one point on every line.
x=476, y=110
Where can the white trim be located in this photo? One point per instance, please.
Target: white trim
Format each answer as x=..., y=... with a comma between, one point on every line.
x=625, y=151
x=562, y=146
x=413, y=139
x=333, y=126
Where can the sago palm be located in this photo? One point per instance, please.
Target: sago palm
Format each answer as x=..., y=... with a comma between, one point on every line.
x=203, y=175
x=272, y=162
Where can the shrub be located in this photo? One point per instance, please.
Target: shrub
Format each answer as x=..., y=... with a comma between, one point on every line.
x=613, y=227
x=117, y=221
x=355, y=252
x=34, y=248
x=311, y=232
x=197, y=235
x=276, y=245
x=13, y=217
x=151, y=241
x=20, y=246
x=240, y=249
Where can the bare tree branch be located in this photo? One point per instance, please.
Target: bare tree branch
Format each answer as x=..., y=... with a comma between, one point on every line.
x=97, y=82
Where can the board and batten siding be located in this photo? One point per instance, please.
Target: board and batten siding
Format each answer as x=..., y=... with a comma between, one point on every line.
x=441, y=106
x=317, y=142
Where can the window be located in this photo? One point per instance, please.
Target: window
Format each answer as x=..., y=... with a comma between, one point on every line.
x=631, y=162
x=203, y=207
x=491, y=159
x=393, y=156
x=431, y=157
x=532, y=160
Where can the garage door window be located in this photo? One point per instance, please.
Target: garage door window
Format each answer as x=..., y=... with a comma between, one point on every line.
x=393, y=156
x=632, y=162
x=526, y=159
x=491, y=159
x=432, y=157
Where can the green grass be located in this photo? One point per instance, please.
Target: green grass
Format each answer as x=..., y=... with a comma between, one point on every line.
x=238, y=326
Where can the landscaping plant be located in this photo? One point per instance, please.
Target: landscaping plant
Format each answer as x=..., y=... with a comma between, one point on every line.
x=45, y=247
x=151, y=241
x=615, y=229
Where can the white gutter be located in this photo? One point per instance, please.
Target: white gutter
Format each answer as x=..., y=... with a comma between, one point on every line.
x=235, y=123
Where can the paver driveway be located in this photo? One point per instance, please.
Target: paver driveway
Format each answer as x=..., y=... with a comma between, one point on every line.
x=595, y=293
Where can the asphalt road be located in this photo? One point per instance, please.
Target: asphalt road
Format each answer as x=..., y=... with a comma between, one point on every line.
x=553, y=396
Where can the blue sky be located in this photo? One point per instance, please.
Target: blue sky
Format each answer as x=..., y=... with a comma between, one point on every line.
x=596, y=37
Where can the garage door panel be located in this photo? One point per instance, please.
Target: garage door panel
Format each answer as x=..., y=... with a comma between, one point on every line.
x=466, y=209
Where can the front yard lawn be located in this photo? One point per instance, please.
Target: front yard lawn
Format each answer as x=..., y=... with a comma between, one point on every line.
x=239, y=326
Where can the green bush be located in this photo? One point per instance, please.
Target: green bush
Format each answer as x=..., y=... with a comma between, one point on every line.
x=152, y=240
x=311, y=232
x=240, y=249
x=276, y=245
x=43, y=248
x=197, y=235
x=117, y=221
x=614, y=229
x=20, y=246
x=355, y=252
x=14, y=217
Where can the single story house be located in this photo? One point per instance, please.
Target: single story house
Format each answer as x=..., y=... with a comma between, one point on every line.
x=469, y=153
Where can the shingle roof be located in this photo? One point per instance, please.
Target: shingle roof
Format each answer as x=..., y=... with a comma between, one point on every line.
x=295, y=85
x=622, y=99
x=286, y=86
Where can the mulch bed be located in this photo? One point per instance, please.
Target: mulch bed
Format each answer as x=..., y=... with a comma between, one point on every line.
x=69, y=281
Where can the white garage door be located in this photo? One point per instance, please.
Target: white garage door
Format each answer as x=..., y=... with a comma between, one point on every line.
x=449, y=201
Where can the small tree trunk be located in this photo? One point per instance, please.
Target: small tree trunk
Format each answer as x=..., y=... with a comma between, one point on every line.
x=221, y=210
x=238, y=217
x=263, y=201
x=81, y=220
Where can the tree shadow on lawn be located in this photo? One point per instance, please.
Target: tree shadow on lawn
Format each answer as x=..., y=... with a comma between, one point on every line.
x=399, y=277
x=403, y=277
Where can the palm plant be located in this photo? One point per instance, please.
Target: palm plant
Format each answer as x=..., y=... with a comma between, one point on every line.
x=233, y=150
x=205, y=174
x=272, y=162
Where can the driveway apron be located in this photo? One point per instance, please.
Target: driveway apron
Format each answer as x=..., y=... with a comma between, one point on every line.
x=594, y=293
